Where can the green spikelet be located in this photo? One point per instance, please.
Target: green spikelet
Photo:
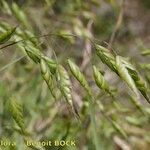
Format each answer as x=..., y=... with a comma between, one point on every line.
x=51, y=64
x=118, y=128
x=130, y=75
x=79, y=76
x=139, y=82
x=47, y=76
x=17, y=113
x=100, y=81
x=65, y=84
x=33, y=53
x=7, y=35
x=29, y=35
x=20, y=15
x=106, y=57
x=124, y=74
x=137, y=105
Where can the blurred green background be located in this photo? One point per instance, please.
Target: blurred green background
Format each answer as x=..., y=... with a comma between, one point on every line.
x=121, y=25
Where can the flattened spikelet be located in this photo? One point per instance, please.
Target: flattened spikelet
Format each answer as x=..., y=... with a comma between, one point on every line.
x=7, y=35
x=51, y=64
x=139, y=82
x=47, y=76
x=124, y=74
x=79, y=76
x=100, y=81
x=17, y=113
x=65, y=84
x=106, y=57
x=33, y=53
x=132, y=78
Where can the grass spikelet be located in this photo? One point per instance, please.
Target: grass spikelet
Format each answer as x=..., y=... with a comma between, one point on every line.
x=79, y=76
x=51, y=64
x=17, y=113
x=118, y=128
x=65, y=84
x=20, y=15
x=137, y=104
x=106, y=57
x=33, y=53
x=130, y=75
x=7, y=35
x=124, y=74
x=139, y=82
x=29, y=35
x=100, y=81
x=47, y=76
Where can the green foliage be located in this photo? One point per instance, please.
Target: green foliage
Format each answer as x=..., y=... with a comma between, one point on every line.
x=50, y=32
x=146, y=52
x=5, y=7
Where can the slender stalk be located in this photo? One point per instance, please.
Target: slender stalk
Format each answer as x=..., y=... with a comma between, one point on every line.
x=93, y=123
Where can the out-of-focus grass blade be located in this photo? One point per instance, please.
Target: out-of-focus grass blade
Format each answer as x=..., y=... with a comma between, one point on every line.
x=20, y=15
